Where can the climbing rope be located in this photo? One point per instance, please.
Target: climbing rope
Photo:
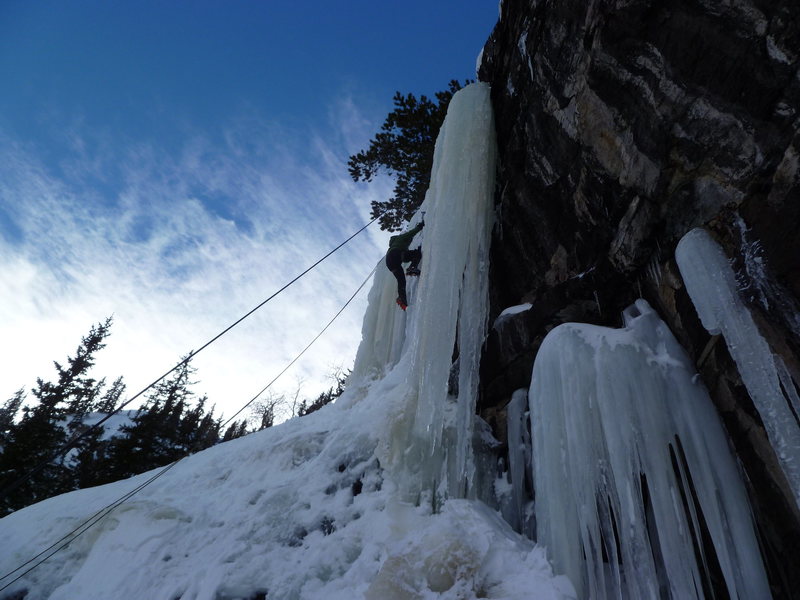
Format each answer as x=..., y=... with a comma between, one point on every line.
x=73, y=441
x=303, y=351
x=67, y=539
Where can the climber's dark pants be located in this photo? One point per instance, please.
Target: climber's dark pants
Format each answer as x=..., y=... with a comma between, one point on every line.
x=395, y=258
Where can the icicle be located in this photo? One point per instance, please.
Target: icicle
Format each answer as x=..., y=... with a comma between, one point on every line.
x=383, y=330
x=631, y=462
x=711, y=284
x=450, y=303
x=519, y=463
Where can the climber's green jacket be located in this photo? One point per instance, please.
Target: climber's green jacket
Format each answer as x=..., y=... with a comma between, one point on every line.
x=402, y=241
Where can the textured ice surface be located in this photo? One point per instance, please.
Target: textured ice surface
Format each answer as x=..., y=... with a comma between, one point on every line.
x=711, y=284
x=448, y=310
x=631, y=462
x=519, y=512
x=383, y=330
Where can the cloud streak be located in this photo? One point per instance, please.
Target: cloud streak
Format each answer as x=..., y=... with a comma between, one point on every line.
x=178, y=245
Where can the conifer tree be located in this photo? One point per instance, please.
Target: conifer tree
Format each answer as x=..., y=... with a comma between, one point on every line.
x=235, y=430
x=110, y=399
x=326, y=397
x=54, y=437
x=165, y=429
x=404, y=149
x=198, y=430
x=7, y=415
x=91, y=458
x=46, y=426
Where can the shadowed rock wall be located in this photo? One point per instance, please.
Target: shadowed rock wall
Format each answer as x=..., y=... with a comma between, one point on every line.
x=622, y=125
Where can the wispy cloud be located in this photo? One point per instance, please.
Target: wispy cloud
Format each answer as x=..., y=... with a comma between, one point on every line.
x=177, y=245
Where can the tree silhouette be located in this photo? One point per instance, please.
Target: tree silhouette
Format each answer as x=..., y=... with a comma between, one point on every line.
x=404, y=149
x=46, y=426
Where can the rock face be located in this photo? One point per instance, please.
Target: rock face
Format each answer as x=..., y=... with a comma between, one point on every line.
x=621, y=126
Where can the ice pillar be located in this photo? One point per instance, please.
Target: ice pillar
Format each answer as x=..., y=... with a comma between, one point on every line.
x=632, y=470
x=431, y=442
x=711, y=284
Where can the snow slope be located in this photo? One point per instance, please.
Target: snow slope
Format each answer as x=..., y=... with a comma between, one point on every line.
x=375, y=496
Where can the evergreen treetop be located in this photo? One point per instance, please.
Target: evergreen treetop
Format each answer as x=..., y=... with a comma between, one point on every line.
x=41, y=434
x=404, y=149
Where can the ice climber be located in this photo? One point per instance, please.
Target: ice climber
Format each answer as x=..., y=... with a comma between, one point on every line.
x=398, y=254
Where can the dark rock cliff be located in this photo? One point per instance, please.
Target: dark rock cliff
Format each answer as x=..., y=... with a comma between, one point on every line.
x=621, y=126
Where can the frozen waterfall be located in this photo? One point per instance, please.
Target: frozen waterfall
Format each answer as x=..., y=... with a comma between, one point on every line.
x=383, y=330
x=637, y=493
x=447, y=312
x=711, y=284
x=517, y=509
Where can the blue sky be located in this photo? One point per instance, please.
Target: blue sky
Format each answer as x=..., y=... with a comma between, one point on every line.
x=160, y=69
x=174, y=163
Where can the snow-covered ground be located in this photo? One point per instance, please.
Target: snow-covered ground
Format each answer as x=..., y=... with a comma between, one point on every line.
x=375, y=496
x=302, y=510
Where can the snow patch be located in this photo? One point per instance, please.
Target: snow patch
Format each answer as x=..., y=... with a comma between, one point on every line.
x=112, y=427
x=511, y=311
x=522, y=44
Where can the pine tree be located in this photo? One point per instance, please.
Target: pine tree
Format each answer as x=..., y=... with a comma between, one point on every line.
x=110, y=399
x=91, y=458
x=7, y=415
x=235, y=430
x=326, y=397
x=198, y=430
x=404, y=148
x=54, y=437
x=164, y=430
x=38, y=440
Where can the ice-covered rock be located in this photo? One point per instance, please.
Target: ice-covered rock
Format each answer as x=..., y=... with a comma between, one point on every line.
x=620, y=127
x=711, y=283
x=519, y=512
x=637, y=493
x=448, y=309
